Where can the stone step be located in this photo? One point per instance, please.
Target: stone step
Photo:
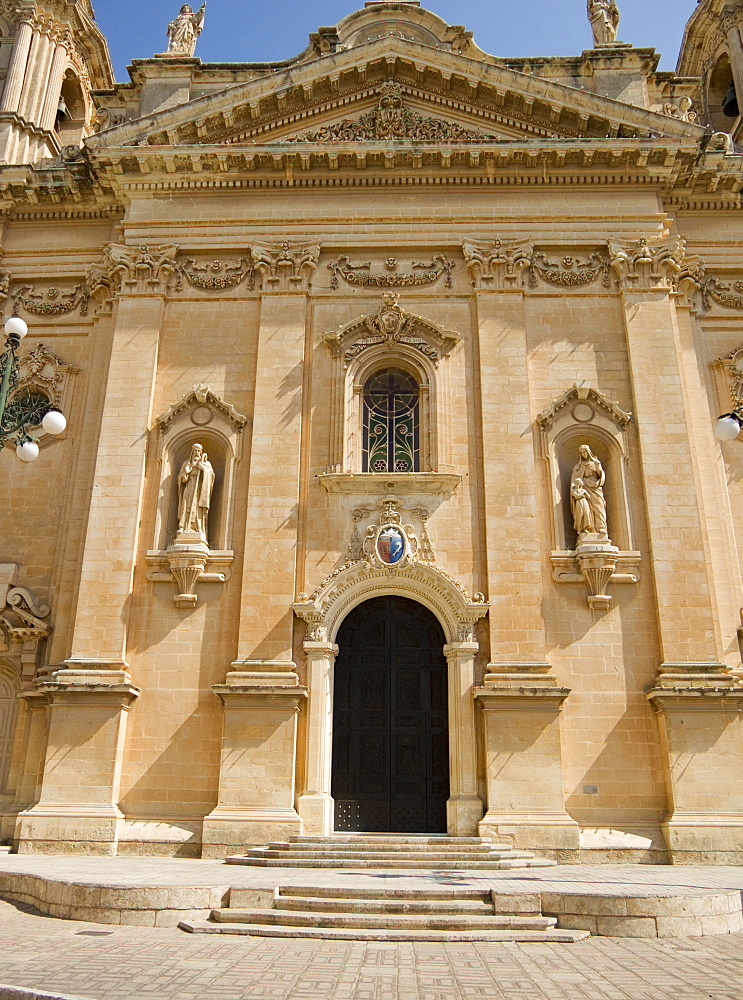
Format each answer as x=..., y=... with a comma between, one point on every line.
x=550, y=936
x=416, y=862
x=389, y=847
x=261, y=852
x=5, y=848
x=383, y=921
x=389, y=838
x=347, y=895
x=338, y=904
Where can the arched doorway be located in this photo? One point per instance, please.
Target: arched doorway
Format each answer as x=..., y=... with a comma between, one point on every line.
x=8, y=705
x=390, y=769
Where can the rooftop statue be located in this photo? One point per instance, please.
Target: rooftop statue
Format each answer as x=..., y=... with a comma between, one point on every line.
x=604, y=18
x=184, y=30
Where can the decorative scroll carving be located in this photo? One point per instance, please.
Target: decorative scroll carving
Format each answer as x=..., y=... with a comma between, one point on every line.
x=361, y=274
x=392, y=326
x=653, y=263
x=106, y=118
x=202, y=396
x=4, y=285
x=391, y=120
x=570, y=272
x=21, y=620
x=722, y=292
x=217, y=276
x=495, y=264
x=53, y=302
x=285, y=265
x=134, y=269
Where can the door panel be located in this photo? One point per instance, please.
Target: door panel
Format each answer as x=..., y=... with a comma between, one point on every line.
x=390, y=720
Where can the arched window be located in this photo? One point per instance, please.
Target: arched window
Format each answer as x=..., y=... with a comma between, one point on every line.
x=391, y=422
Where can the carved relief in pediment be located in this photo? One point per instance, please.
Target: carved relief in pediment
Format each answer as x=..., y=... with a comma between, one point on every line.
x=392, y=119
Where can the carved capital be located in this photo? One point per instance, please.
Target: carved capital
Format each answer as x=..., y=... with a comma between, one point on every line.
x=498, y=265
x=285, y=266
x=651, y=264
x=136, y=270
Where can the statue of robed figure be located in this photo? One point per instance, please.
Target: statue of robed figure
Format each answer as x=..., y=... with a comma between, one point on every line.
x=587, y=499
x=195, y=485
x=604, y=18
x=184, y=30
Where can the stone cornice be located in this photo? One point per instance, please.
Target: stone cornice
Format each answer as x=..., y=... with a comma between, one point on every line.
x=480, y=87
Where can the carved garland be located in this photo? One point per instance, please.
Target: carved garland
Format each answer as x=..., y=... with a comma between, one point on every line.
x=361, y=274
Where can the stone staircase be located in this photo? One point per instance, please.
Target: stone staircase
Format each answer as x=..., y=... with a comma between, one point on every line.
x=5, y=848
x=389, y=915
x=389, y=852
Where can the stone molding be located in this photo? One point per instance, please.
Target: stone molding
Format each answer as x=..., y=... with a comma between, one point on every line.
x=379, y=483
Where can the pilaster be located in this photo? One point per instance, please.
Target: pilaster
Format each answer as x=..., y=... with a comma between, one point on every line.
x=700, y=717
x=77, y=811
x=139, y=277
x=269, y=574
x=258, y=766
x=649, y=273
x=510, y=516
x=525, y=796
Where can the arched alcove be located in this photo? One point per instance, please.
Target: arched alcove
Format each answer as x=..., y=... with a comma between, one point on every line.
x=718, y=85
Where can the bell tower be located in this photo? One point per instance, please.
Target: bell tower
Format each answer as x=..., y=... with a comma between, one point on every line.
x=52, y=56
x=712, y=50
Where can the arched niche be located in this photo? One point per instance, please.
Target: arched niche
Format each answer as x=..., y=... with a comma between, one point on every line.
x=584, y=416
x=200, y=417
x=72, y=112
x=719, y=80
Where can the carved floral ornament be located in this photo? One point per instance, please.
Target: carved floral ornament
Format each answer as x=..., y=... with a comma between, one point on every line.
x=392, y=326
x=391, y=558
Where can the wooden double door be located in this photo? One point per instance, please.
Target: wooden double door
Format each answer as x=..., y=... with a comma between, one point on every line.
x=390, y=720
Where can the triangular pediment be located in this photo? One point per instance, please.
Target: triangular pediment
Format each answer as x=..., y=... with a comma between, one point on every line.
x=394, y=89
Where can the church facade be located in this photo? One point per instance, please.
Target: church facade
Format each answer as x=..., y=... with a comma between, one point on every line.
x=390, y=499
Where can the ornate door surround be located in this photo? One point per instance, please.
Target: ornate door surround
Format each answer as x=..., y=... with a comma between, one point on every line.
x=456, y=611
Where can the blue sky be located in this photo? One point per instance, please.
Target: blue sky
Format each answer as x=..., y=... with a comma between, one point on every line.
x=267, y=30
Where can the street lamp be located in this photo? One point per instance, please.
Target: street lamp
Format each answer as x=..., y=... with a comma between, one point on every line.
x=729, y=425
x=25, y=411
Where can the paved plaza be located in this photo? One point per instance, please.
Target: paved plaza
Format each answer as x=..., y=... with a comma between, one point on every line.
x=115, y=962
